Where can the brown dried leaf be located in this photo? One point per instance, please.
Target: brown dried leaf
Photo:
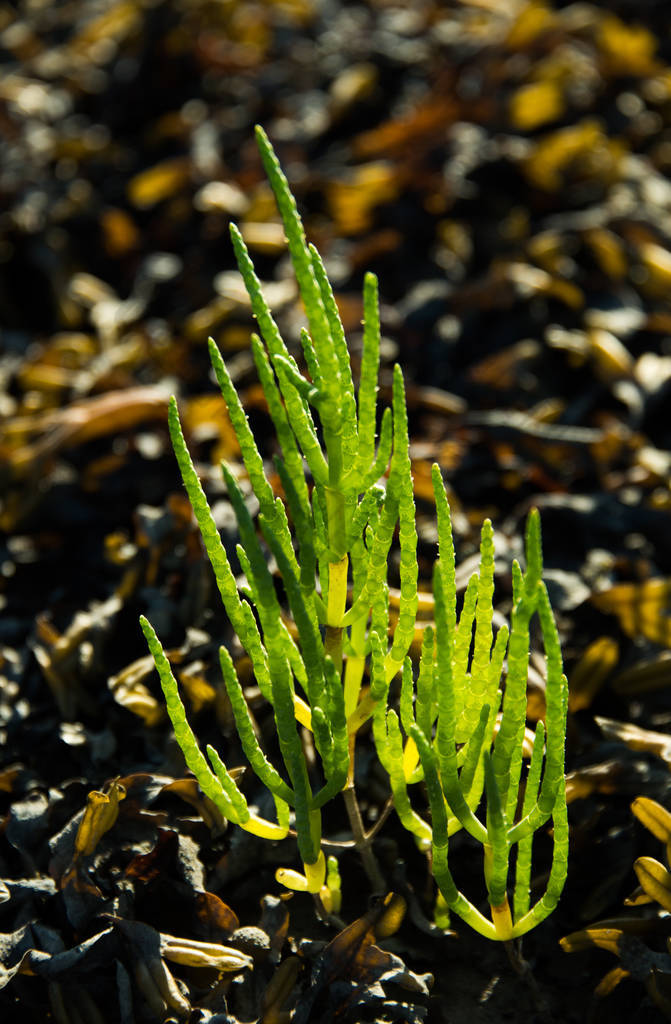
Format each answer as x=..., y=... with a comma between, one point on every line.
x=352, y=952
x=189, y=791
x=86, y=420
x=215, y=916
x=147, y=867
x=279, y=990
x=403, y=136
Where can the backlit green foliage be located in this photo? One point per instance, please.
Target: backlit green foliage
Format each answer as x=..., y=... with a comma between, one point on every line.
x=330, y=539
x=465, y=739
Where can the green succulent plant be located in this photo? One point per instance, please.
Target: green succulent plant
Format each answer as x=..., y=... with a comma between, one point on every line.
x=465, y=737
x=348, y=491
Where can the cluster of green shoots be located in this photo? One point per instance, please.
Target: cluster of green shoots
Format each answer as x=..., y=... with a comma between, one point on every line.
x=325, y=665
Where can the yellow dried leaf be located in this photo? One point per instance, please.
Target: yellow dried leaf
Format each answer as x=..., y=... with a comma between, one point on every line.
x=656, y=262
x=536, y=104
x=261, y=205
x=352, y=85
x=158, y=987
x=200, y=324
x=43, y=377
x=352, y=202
x=102, y=810
x=638, y=898
x=629, y=49
x=613, y=360
x=233, y=338
x=200, y=692
x=642, y=608
x=608, y=252
x=590, y=673
x=203, y=954
x=532, y=279
x=599, y=778
x=604, y=938
x=130, y=692
x=392, y=916
x=120, y=234
x=635, y=738
x=532, y=20
x=157, y=183
x=583, y=144
x=547, y=250
x=655, y=880
x=567, y=292
x=410, y=132
x=655, y=817
x=114, y=23
x=610, y=981
x=140, y=702
x=206, y=416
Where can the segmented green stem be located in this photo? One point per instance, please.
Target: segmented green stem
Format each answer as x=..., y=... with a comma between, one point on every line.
x=347, y=525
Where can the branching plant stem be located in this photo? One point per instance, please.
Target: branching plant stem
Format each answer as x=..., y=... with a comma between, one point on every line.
x=330, y=538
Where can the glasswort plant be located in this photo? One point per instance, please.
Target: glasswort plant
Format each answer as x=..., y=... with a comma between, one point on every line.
x=344, y=525
x=460, y=745
x=330, y=539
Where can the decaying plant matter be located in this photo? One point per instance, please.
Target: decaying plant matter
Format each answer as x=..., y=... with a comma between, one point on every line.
x=632, y=939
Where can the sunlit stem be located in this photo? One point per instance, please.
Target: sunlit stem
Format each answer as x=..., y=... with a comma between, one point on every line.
x=501, y=916
x=312, y=881
x=302, y=712
x=361, y=714
x=502, y=920
x=337, y=595
x=265, y=829
x=335, y=609
x=356, y=662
